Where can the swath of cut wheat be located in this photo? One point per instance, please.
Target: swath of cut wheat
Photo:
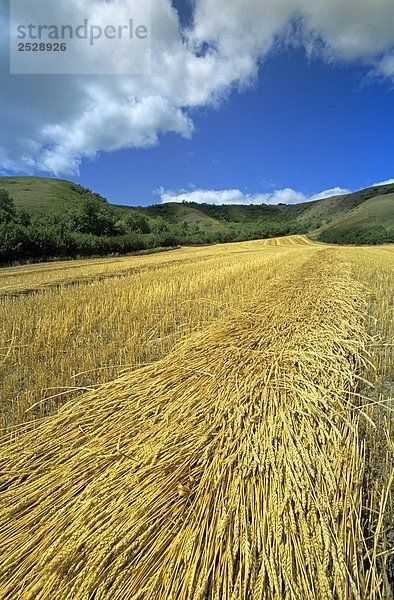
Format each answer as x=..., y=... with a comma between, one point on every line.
x=238, y=466
x=73, y=335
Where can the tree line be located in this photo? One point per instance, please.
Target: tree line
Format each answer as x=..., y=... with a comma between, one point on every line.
x=359, y=235
x=93, y=227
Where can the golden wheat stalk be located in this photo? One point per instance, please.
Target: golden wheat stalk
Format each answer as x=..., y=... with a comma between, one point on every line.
x=236, y=467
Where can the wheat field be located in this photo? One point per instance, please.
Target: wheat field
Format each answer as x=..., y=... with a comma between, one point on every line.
x=204, y=424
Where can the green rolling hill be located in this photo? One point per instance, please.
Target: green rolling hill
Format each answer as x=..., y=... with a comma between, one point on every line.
x=39, y=195
x=378, y=210
x=337, y=207
x=60, y=218
x=370, y=221
x=174, y=212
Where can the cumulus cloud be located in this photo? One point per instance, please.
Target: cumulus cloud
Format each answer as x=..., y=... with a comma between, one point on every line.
x=335, y=191
x=350, y=29
x=284, y=196
x=385, y=66
x=50, y=123
x=386, y=182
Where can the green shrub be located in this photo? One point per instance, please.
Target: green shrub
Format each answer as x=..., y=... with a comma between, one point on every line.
x=372, y=235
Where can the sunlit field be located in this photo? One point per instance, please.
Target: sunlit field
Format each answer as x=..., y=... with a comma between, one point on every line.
x=206, y=423
x=93, y=319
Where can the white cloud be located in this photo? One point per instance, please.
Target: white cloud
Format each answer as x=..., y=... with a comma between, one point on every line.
x=335, y=191
x=201, y=196
x=386, y=182
x=51, y=123
x=284, y=196
x=351, y=29
x=385, y=66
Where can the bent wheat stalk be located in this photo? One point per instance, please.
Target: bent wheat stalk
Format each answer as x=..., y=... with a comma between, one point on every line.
x=234, y=468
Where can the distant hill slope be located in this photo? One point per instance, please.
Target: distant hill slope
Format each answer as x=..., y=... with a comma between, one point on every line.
x=318, y=212
x=371, y=206
x=370, y=222
x=336, y=207
x=179, y=213
x=40, y=195
x=378, y=210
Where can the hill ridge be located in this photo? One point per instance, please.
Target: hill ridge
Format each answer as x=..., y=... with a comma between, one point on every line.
x=66, y=214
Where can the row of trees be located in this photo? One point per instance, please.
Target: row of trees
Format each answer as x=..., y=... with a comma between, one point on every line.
x=266, y=228
x=92, y=227
x=368, y=235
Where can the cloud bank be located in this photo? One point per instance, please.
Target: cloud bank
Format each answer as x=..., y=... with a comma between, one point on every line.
x=285, y=196
x=385, y=182
x=51, y=123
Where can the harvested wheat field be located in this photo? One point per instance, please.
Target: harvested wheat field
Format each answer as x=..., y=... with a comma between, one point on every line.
x=229, y=434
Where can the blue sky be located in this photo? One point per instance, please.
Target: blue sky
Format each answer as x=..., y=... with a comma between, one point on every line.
x=290, y=113
x=303, y=125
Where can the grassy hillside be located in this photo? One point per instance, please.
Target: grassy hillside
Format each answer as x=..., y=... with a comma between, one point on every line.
x=185, y=213
x=56, y=218
x=378, y=210
x=337, y=207
x=327, y=210
x=370, y=222
x=40, y=195
x=238, y=213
